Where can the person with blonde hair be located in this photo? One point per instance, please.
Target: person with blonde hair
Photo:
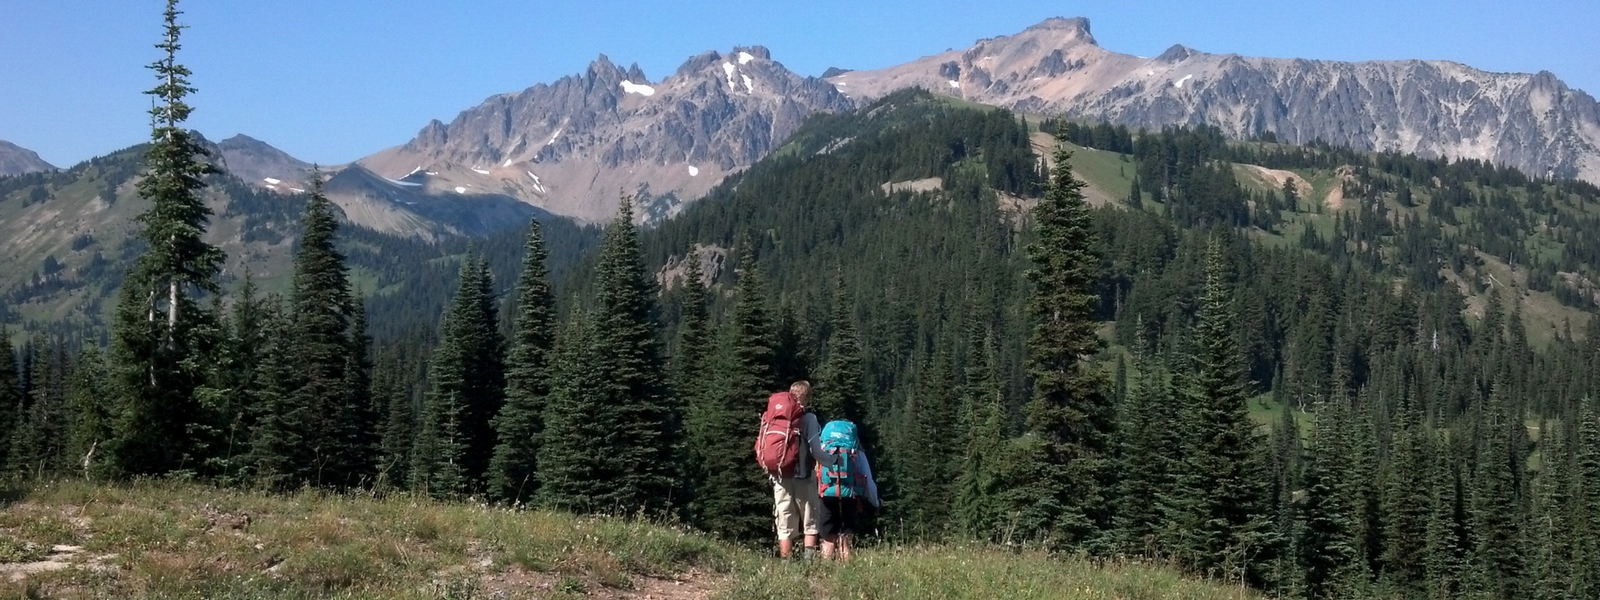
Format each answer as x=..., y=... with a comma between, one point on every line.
x=797, y=508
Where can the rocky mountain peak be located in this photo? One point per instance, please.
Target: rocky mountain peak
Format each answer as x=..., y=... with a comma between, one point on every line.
x=1177, y=53
x=570, y=145
x=260, y=164
x=16, y=160
x=1073, y=29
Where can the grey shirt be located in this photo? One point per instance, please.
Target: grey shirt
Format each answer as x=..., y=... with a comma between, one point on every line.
x=812, y=449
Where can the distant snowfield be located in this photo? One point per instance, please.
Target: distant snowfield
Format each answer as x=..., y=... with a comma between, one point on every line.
x=748, y=86
x=479, y=171
x=272, y=181
x=693, y=171
x=630, y=87
x=405, y=183
x=1179, y=84
x=955, y=84
x=461, y=190
x=745, y=58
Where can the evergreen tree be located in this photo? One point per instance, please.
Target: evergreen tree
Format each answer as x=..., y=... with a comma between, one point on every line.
x=1147, y=432
x=929, y=423
x=1222, y=516
x=729, y=492
x=1406, y=501
x=278, y=449
x=693, y=375
x=37, y=446
x=90, y=421
x=1329, y=542
x=455, y=439
x=520, y=423
x=979, y=510
x=635, y=373
x=157, y=345
x=1497, y=561
x=579, y=425
x=11, y=399
x=1584, y=513
x=840, y=394
x=1070, y=415
x=1446, y=542
x=322, y=308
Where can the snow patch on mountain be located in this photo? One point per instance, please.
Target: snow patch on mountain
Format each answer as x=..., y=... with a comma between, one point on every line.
x=630, y=87
x=745, y=58
x=694, y=171
x=271, y=181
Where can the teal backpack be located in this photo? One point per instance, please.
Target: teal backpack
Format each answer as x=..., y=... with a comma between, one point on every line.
x=840, y=480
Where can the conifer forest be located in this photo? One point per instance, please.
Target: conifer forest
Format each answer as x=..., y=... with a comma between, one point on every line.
x=1397, y=396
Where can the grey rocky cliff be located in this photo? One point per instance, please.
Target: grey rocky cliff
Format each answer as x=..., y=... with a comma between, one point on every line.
x=574, y=145
x=1434, y=108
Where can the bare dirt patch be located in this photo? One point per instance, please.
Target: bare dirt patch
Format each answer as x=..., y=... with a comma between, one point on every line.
x=1277, y=177
x=916, y=185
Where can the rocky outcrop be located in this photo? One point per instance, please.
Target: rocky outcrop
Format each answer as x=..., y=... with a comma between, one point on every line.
x=16, y=160
x=1433, y=108
x=574, y=146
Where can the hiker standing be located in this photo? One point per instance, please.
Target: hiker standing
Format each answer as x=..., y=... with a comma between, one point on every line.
x=787, y=448
x=843, y=486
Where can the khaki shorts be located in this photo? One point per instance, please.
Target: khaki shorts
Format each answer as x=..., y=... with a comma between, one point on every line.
x=795, y=503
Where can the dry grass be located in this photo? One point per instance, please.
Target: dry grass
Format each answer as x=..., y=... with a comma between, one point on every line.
x=179, y=540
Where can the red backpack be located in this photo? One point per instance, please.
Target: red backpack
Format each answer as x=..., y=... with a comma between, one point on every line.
x=778, y=445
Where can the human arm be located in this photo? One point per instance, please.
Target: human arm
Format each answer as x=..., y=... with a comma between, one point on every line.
x=813, y=434
x=866, y=475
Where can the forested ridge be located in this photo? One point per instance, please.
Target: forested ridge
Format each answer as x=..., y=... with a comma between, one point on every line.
x=1319, y=394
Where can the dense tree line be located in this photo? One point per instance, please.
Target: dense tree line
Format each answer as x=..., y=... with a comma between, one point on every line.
x=1180, y=379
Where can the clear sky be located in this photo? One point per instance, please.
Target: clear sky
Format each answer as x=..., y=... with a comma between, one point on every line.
x=334, y=80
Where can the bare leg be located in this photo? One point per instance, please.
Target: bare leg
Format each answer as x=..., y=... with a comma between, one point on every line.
x=844, y=546
x=827, y=546
x=811, y=541
x=785, y=547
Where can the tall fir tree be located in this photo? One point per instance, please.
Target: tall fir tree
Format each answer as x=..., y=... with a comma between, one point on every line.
x=1222, y=512
x=1070, y=415
x=518, y=427
x=730, y=493
x=157, y=342
x=11, y=399
x=278, y=449
x=626, y=335
x=574, y=467
x=693, y=376
x=325, y=378
x=455, y=439
x=1497, y=561
x=1329, y=543
x=37, y=445
x=841, y=392
x=1584, y=513
x=1148, y=444
x=90, y=419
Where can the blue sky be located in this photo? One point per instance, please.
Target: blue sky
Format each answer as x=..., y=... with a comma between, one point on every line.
x=333, y=81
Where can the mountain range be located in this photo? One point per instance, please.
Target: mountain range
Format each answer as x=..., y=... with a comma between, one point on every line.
x=1534, y=122
x=574, y=146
